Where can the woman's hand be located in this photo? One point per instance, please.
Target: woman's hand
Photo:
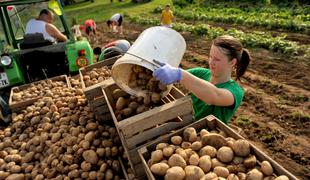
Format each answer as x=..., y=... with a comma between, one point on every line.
x=167, y=74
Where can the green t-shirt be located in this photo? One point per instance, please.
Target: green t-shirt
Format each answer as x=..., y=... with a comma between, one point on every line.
x=224, y=113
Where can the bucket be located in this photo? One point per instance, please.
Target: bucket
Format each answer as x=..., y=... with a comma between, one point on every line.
x=156, y=43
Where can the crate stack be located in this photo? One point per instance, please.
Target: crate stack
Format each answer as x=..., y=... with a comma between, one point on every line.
x=139, y=130
x=94, y=93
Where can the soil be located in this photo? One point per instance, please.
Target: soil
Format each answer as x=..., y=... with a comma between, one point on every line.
x=274, y=114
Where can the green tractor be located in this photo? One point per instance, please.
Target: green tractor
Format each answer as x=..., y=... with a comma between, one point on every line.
x=27, y=58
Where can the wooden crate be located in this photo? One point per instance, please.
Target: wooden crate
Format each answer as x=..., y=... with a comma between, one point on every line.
x=95, y=91
x=212, y=123
x=17, y=106
x=140, y=129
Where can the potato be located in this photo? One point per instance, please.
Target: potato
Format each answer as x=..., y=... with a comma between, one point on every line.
x=266, y=168
x=176, y=140
x=250, y=162
x=225, y=154
x=108, y=174
x=127, y=111
x=183, y=154
x=193, y=173
x=194, y=159
x=176, y=160
x=3, y=174
x=155, y=97
x=254, y=174
x=141, y=109
x=147, y=100
x=133, y=105
x=90, y=156
x=208, y=150
x=157, y=156
x=186, y=145
x=232, y=177
x=196, y=146
x=205, y=163
x=282, y=177
x=16, y=177
x=269, y=178
x=237, y=160
x=242, y=176
x=203, y=132
x=175, y=173
x=190, y=134
x=215, y=163
x=241, y=147
x=209, y=176
x=221, y=171
x=214, y=140
x=236, y=168
x=159, y=168
x=160, y=146
x=120, y=103
x=168, y=151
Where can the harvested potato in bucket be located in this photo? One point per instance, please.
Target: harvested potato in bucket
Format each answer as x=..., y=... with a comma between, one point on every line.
x=143, y=79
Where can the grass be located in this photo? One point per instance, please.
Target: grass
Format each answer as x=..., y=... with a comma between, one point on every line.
x=101, y=10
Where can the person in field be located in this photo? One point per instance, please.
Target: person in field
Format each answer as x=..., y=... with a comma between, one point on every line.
x=213, y=90
x=115, y=23
x=91, y=29
x=44, y=24
x=167, y=17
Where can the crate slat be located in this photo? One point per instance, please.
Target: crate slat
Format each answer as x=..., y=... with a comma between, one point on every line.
x=138, y=130
x=155, y=116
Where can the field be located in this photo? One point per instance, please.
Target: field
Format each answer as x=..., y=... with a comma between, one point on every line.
x=275, y=112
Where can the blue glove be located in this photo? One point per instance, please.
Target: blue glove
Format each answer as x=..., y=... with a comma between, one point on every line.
x=167, y=74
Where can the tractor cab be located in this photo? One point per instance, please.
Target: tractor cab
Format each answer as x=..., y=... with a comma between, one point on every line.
x=25, y=57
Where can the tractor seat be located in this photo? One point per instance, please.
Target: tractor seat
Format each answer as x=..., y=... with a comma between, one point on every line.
x=34, y=40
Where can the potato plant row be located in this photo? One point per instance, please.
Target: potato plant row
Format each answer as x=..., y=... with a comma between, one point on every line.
x=43, y=88
x=58, y=138
x=206, y=156
x=96, y=75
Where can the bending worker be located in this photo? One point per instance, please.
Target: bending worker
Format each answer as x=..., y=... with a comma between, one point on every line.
x=213, y=90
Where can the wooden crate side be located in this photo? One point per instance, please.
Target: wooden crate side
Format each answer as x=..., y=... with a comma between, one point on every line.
x=213, y=123
x=124, y=170
x=176, y=93
x=98, y=101
x=94, y=91
x=102, y=110
x=108, y=62
x=157, y=115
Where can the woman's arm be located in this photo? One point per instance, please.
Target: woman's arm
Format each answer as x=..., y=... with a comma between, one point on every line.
x=206, y=91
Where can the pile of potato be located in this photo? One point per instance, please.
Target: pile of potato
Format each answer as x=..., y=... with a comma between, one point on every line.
x=43, y=88
x=142, y=78
x=75, y=82
x=96, y=75
x=59, y=138
x=127, y=106
x=206, y=156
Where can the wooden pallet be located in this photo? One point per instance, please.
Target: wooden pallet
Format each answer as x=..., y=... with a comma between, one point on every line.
x=212, y=123
x=138, y=130
x=17, y=106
